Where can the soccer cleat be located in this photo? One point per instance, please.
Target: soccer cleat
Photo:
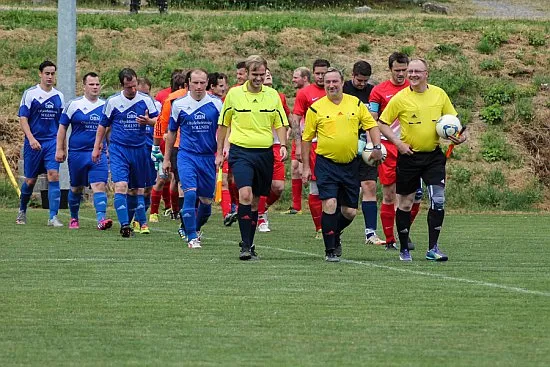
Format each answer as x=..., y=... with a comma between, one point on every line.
x=144, y=229
x=21, y=217
x=264, y=227
x=246, y=253
x=104, y=224
x=73, y=224
x=126, y=231
x=154, y=218
x=319, y=234
x=194, y=243
x=410, y=244
x=253, y=254
x=229, y=219
x=292, y=211
x=135, y=226
x=405, y=255
x=331, y=257
x=391, y=246
x=435, y=254
x=374, y=240
x=54, y=222
x=181, y=232
x=167, y=212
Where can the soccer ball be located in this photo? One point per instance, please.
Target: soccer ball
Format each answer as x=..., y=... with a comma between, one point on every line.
x=367, y=152
x=448, y=125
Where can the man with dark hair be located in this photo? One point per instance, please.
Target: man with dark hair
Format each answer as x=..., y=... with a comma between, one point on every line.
x=127, y=113
x=39, y=114
x=420, y=156
x=335, y=120
x=195, y=116
x=217, y=84
x=304, y=99
x=358, y=86
x=251, y=111
x=83, y=115
x=241, y=73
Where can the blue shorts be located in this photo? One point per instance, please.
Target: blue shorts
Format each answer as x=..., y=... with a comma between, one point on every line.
x=151, y=171
x=83, y=171
x=338, y=181
x=252, y=167
x=129, y=164
x=40, y=161
x=197, y=172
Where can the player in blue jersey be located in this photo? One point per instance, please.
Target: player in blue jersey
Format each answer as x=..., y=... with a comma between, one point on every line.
x=127, y=113
x=39, y=114
x=196, y=116
x=83, y=115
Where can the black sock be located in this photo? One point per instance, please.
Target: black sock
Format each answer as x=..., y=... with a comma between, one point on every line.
x=403, y=224
x=343, y=222
x=435, y=221
x=244, y=213
x=329, y=226
x=253, y=225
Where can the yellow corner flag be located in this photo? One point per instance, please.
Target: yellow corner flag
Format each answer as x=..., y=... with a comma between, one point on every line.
x=218, y=196
x=10, y=173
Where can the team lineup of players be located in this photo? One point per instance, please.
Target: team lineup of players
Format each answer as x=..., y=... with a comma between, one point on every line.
x=166, y=148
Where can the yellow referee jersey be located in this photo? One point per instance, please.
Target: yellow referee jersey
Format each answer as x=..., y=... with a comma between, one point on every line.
x=418, y=114
x=336, y=127
x=252, y=116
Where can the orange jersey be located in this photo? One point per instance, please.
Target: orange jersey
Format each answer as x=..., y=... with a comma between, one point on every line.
x=164, y=118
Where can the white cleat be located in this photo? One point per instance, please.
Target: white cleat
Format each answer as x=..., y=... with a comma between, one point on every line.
x=374, y=240
x=264, y=227
x=194, y=243
x=54, y=222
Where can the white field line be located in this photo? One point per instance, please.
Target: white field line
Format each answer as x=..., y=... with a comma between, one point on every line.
x=347, y=261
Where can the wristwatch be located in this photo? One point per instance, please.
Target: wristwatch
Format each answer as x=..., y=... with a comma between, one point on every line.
x=377, y=147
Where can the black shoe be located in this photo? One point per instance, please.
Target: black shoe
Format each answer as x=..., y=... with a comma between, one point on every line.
x=125, y=231
x=338, y=248
x=246, y=253
x=331, y=257
x=410, y=244
x=253, y=254
x=229, y=219
x=391, y=246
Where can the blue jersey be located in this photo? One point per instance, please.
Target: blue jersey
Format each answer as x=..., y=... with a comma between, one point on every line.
x=121, y=113
x=197, y=121
x=43, y=110
x=83, y=116
x=150, y=130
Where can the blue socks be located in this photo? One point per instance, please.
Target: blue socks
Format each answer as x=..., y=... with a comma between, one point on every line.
x=100, y=205
x=369, y=214
x=26, y=192
x=132, y=201
x=54, y=197
x=74, y=203
x=189, y=215
x=147, y=201
x=141, y=217
x=203, y=213
x=121, y=207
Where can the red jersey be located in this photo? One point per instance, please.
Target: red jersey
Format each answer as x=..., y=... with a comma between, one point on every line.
x=381, y=95
x=285, y=105
x=163, y=94
x=305, y=98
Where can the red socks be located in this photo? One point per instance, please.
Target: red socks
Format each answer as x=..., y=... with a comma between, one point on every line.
x=387, y=217
x=316, y=209
x=414, y=211
x=297, y=193
x=174, y=196
x=226, y=202
x=155, y=201
x=166, y=194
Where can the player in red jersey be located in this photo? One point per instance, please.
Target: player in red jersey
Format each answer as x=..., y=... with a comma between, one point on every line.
x=304, y=99
x=300, y=78
x=278, y=178
x=379, y=98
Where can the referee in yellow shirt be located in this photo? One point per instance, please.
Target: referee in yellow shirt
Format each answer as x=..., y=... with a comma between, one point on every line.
x=251, y=111
x=418, y=108
x=336, y=120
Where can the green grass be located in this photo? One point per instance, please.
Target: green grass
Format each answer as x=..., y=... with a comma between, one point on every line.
x=91, y=298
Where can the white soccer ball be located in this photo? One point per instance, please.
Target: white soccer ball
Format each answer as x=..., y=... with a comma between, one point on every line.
x=367, y=152
x=448, y=125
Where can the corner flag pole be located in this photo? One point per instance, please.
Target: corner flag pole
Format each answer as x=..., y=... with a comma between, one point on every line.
x=10, y=173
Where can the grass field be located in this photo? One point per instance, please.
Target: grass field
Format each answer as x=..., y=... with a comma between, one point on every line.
x=91, y=298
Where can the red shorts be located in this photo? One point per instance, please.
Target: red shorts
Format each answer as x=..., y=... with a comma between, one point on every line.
x=387, y=170
x=162, y=146
x=312, y=159
x=278, y=165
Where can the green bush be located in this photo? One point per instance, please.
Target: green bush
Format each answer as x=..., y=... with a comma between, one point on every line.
x=500, y=93
x=407, y=50
x=448, y=49
x=457, y=80
x=461, y=175
x=494, y=147
x=485, y=47
x=524, y=109
x=492, y=115
x=536, y=39
x=364, y=48
x=490, y=64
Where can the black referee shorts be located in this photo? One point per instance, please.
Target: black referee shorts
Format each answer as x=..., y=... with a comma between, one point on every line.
x=252, y=167
x=366, y=172
x=338, y=181
x=428, y=166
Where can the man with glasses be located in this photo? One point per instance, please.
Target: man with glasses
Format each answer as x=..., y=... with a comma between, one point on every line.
x=418, y=108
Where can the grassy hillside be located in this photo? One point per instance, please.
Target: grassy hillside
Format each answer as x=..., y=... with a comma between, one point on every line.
x=496, y=72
